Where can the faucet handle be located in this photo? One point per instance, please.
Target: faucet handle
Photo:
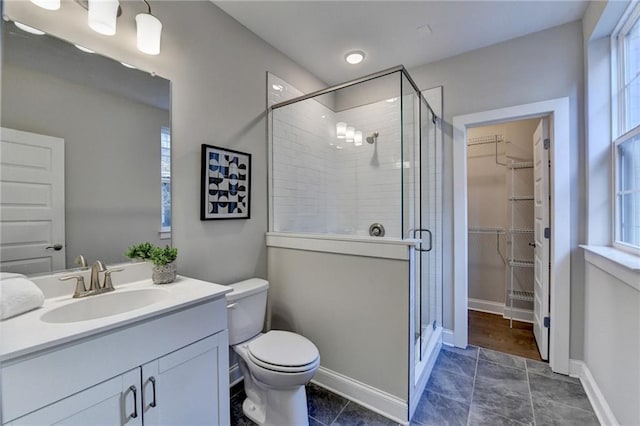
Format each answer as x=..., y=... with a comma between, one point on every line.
x=108, y=284
x=81, y=288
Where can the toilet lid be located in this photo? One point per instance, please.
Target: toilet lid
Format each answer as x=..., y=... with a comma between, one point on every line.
x=283, y=349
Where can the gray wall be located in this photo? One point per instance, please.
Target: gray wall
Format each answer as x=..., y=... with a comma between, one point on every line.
x=612, y=341
x=537, y=67
x=218, y=74
x=112, y=159
x=355, y=309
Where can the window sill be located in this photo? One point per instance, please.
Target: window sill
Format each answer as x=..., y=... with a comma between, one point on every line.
x=622, y=265
x=165, y=235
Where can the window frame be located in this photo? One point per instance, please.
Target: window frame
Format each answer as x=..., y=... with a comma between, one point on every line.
x=620, y=134
x=165, y=130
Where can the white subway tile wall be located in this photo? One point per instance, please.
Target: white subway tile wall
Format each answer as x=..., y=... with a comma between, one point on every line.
x=322, y=184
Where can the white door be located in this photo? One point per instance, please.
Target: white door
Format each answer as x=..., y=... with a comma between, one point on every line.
x=186, y=387
x=31, y=202
x=541, y=251
x=113, y=402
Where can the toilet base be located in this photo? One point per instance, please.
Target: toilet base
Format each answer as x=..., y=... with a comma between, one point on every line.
x=287, y=407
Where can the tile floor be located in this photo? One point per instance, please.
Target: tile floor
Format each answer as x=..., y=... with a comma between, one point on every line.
x=475, y=386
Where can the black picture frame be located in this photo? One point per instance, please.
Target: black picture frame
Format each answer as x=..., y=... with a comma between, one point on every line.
x=225, y=184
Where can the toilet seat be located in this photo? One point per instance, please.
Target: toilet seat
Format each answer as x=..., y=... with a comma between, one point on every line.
x=283, y=351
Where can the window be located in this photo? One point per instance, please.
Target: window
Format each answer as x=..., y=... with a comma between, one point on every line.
x=626, y=119
x=165, y=176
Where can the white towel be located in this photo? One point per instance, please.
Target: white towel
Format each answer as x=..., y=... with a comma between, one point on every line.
x=7, y=275
x=18, y=295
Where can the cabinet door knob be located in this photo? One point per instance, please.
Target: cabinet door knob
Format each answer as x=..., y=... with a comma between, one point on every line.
x=153, y=386
x=135, y=402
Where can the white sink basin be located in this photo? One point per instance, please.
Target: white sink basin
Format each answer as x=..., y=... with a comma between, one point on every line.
x=105, y=305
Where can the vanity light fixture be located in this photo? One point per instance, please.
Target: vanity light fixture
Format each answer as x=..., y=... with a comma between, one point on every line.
x=357, y=138
x=103, y=15
x=84, y=49
x=341, y=130
x=351, y=132
x=47, y=4
x=149, y=31
x=354, y=57
x=28, y=29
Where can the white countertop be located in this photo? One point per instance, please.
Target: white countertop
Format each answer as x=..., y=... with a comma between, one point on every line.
x=27, y=333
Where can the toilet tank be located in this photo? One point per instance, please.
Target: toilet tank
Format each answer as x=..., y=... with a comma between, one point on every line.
x=246, y=308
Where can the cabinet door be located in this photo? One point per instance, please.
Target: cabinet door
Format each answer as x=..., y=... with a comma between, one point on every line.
x=109, y=403
x=189, y=386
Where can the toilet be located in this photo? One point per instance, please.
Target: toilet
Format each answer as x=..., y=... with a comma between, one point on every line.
x=276, y=365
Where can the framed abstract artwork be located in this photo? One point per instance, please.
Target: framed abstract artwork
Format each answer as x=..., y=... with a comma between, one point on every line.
x=226, y=183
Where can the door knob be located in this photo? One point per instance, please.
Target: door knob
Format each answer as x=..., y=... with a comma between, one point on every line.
x=56, y=247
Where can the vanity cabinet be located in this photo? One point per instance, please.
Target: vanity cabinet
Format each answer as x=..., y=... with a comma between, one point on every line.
x=183, y=388
x=171, y=370
x=103, y=404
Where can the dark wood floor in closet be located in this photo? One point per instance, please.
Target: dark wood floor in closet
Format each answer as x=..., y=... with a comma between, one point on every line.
x=492, y=332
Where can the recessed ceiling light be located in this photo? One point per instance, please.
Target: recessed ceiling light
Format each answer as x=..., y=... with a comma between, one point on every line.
x=128, y=65
x=354, y=57
x=277, y=87
x=28, y=29
x=84, y=49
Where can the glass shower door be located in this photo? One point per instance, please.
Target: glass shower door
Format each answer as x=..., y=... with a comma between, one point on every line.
x=429, y=224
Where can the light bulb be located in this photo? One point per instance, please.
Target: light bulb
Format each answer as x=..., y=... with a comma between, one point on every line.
x=84, y=49
x=28, y=29
x=102, y=16
x=149, y=30
x=350, y=133
x=47, y=4
x=357, y=138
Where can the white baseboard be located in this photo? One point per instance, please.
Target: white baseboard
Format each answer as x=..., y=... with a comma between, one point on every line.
x=598, y=402
x=519, y=314
x=447, y=337
x=374, y=399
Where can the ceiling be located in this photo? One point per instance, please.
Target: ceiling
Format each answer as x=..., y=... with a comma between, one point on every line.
x=317, y=34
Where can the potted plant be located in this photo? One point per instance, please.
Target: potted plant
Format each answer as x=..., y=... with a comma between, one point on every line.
x=164, y=265
x=140, y=252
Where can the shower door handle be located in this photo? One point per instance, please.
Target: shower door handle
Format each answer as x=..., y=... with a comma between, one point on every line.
x=415, y=231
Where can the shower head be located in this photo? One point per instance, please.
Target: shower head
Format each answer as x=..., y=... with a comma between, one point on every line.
x=373, y=138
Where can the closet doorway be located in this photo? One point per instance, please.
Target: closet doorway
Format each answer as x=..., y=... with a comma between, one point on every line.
x=508, y=212
x=558, y=112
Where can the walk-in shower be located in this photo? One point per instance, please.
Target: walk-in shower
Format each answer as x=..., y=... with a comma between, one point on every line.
x=355, y=232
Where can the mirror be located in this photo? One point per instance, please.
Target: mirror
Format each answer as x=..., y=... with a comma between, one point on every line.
x=115, y=125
